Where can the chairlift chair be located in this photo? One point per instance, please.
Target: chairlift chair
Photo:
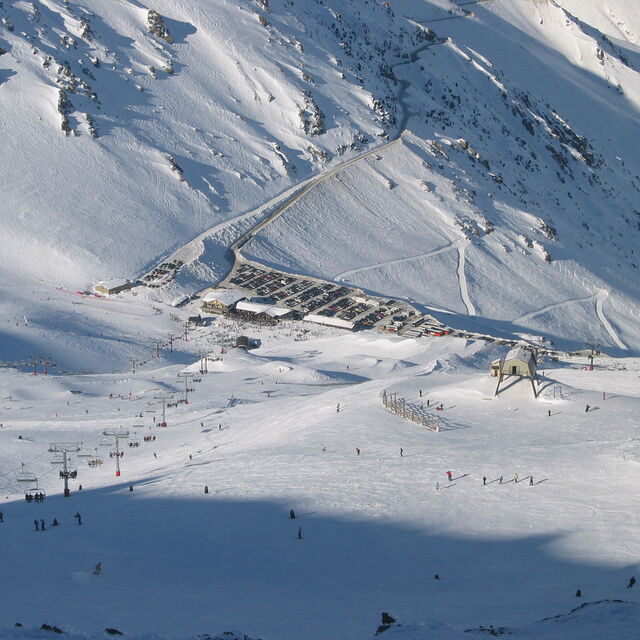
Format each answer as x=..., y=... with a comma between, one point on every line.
x=29, y=494
x=24, y=475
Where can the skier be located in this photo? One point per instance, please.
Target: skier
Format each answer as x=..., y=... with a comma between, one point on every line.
x=324, y=449
x=587, y=409
x=206, y=489
x=299, y=533
x=338, y=408
x=292, y=514
x=1, y=517
x=357, y=451
x=578, y=593
x=54, y=523
x=401, y=455
x=484, y=480
x=37, y=525
x=42, y=524
x=500, y=480
x=428, y=402
x=604, y=395
x=97, y=570
x=437, y=485
x=631, y=582
x=515, y=477
x=421, y=393
x=449, y=476
x=549, y=412
x=78, y=517
x=531, y=481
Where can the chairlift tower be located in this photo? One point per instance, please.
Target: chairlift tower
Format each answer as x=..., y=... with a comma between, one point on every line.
x=117, y=454
x=164, y=409
x=65, y=448
x=593, y=346
x=186, y=377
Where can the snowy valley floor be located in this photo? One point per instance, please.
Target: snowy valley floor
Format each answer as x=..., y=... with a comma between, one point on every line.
x=375, y=527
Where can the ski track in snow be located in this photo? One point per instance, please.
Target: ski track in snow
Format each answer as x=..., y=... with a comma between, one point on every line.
x=462, y=278
x=601, y=296
x=428, y=254
x=550, y=307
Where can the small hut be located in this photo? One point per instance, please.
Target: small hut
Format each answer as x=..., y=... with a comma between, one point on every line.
x=242, y=342
x=519, y=362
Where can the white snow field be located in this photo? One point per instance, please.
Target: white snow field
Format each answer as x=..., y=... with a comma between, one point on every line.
x=375, y=527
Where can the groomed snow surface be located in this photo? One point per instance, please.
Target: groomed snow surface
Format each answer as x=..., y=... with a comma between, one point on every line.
x=375, y=528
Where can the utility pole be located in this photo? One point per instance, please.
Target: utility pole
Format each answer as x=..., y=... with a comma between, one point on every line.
x=171, y=339
x=164, y=408
x=186, y=377
x=133, y=365
x=65, y=448
x=117, y=454
x=186, y=331
x=157, y=346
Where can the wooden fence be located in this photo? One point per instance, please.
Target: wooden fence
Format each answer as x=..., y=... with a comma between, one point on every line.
x=410, y=411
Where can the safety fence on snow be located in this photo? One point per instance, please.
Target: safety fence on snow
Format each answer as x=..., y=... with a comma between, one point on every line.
x=410, y=411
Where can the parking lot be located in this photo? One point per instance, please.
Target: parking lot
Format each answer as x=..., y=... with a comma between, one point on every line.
x=307, y=295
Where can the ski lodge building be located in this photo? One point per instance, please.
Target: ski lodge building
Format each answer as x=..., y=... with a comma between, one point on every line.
x=221, y=300
x=258, y=311
x=330, y=321
x=111, y=287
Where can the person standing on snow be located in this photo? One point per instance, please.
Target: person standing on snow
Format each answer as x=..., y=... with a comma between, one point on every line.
x=449, y=476
x=484, y=480
x=357, y=451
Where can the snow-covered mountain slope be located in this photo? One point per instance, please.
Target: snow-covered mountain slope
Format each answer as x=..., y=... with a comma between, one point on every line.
x=514, y=197
x=129, y=131
x=177, y=561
